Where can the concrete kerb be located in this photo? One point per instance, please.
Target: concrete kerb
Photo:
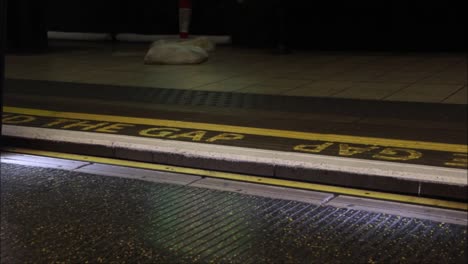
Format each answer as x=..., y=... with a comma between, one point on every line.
x=419, y=180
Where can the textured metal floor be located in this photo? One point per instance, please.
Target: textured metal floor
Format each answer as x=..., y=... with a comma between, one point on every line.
x=50, y=215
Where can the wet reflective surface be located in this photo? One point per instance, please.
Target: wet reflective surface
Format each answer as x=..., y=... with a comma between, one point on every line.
x=50, y=215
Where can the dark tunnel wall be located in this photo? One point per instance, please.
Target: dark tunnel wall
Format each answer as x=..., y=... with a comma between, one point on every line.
x=144, y=16
x=335, y=25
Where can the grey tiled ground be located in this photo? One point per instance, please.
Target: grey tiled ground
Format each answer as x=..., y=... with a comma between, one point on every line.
x=422, y=77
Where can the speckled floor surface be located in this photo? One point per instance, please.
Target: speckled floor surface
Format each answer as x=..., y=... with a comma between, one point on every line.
x=55, y=216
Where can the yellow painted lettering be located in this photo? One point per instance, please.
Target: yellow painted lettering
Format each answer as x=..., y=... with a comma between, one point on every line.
x=459, y=160
x=194, y=135
x=225, y=136
x=398, y=154
x=313, y=148
x=18, y=119
x=60, y=121
x=85, y=125
x=158, y=132
x=114, y=128
x=347, y=150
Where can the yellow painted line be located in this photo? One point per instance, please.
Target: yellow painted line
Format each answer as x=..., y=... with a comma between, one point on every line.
x=245, y=130
x=251, y=179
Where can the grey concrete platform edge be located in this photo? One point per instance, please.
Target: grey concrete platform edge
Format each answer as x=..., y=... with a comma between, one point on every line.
x=420, y=180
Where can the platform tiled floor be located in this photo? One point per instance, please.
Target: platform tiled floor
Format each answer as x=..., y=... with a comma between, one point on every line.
x=421, y=77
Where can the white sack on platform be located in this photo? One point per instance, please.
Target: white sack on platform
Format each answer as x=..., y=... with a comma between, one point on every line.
x=190, y=51
x=173, y=53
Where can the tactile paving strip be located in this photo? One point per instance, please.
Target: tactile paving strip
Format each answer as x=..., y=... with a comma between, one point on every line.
x=165, y=96
x=50, y=216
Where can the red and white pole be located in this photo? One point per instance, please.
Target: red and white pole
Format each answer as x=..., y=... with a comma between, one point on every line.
x=185, y=13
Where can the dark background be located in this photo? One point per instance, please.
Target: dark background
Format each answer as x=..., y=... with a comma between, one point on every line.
x=324, y=25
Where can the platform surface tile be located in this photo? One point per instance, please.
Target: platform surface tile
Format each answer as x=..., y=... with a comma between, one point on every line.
x=51, y=215
x=383, y=76
x=279, y=135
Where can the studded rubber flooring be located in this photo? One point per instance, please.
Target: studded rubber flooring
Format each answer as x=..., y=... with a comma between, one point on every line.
x=57, y=216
